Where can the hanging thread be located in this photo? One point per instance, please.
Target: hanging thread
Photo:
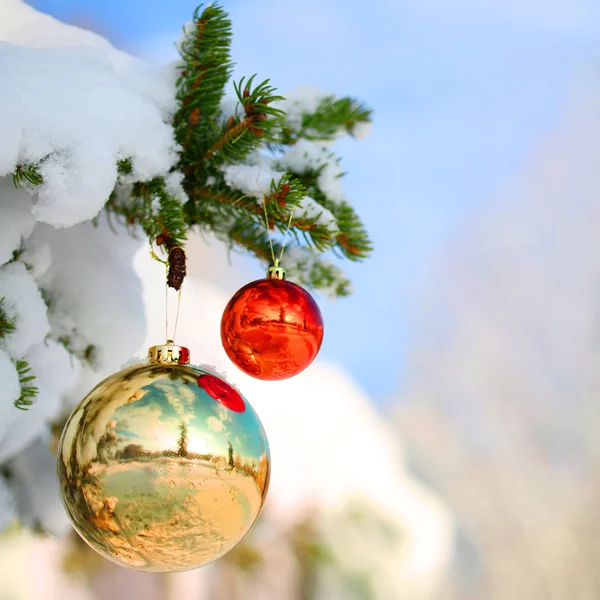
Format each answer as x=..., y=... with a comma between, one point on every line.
x=276, y=261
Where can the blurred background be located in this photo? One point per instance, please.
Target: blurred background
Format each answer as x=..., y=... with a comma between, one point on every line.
x=461, y=379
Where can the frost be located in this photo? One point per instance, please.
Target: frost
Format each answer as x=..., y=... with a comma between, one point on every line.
x=23, y=303
x=15, y=216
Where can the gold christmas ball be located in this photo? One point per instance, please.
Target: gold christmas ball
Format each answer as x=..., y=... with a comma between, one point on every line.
x=163, y=466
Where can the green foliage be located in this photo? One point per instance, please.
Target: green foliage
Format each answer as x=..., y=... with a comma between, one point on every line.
x=7, y=325
x=207, y=67
x=28, y=391
x=257, y=131
x=245, y=556
x=352, y=240
x=29, y=173
x=312, y=553
x=87, y=355
x=242, y=133
x=125, y=166
x=151, y=205
x=331, y=117
x=321, y=274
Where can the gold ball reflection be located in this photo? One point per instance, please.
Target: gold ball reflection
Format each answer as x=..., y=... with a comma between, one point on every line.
x=163, y=467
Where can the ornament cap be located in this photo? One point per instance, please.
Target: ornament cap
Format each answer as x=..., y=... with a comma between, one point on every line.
x=275, y=271
x=169, y=354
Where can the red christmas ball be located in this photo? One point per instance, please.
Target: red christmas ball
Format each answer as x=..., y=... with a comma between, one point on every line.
x=272, y=329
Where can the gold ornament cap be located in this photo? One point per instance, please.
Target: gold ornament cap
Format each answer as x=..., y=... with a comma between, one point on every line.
x=169, y=354
x=275, y=271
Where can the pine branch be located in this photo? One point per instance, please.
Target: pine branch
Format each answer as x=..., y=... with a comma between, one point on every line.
x=153, y=207
x=87, y=355
x=7, y=325
x=332, y=117
x=352, y=239
x=211, y=140
x=200, y=87
x=239, y=136
x=28, y=391
x=308, y=268
x=302, y=265
x=27, y=173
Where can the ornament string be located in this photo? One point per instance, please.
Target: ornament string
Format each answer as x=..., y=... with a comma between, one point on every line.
x=286, y=232
x=166, y=307
x=167, y=267
x=177, y=313
x=276, y=261
x=167, y=311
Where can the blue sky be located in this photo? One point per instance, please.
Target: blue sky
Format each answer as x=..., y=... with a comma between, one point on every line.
x=462, y=95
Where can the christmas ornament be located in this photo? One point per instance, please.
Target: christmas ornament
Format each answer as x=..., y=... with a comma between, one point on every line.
x=272, y=328
x=163, y=466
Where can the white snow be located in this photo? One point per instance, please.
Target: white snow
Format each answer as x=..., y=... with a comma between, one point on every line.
x=23, y=303
x=22, y=25
x=8, y=513
x=47, y=360
x=303, y=260
x=94, y=291
x=307, y=155
x=98, y=106
x=174, y=186
x=330, y=181
x=302, y=100
x=309, y=209
x=16, y=218
x=37, y=257
x=188, y=29
x=361, y=130
x=254, y=180
x=75, y=105
x=34, y=484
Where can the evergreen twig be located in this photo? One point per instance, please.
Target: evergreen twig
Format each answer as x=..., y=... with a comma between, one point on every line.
x=211, y=139
x=27, y=172
x=28, y=391
x=7, y=325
